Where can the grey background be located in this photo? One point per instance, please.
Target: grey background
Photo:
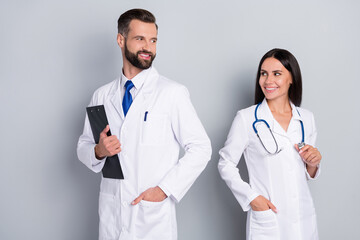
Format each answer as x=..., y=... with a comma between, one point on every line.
x=54, y=54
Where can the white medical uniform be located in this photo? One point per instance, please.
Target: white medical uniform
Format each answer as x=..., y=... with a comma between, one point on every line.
x=149, y=156
x=281, y=178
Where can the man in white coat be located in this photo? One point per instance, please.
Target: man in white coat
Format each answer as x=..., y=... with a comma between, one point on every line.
x=150, y=117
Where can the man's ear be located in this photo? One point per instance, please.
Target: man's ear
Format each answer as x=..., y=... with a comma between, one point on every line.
x=120, y=40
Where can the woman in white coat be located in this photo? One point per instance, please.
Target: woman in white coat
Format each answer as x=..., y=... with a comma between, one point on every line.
x=277, y=139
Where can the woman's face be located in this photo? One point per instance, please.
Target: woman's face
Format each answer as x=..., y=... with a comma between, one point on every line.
x=275, y=79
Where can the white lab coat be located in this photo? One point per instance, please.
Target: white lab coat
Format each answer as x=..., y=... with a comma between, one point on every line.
x=149, y=157
x=281, y=178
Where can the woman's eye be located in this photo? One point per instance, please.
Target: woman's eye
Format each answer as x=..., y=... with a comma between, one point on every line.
x=263, y=74
x=139, y=38
x=277, y=74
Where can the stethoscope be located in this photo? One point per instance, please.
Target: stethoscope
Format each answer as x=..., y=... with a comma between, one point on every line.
x=277, y=150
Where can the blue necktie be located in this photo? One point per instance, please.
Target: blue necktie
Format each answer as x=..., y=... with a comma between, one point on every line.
x=127, y=100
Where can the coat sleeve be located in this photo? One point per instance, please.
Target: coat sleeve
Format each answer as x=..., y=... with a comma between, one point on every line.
x=312, y=142
x=192, y=137
x=86, y=145
x=230, y=155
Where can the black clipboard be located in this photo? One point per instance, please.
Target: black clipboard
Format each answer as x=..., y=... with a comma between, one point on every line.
x=98, y=121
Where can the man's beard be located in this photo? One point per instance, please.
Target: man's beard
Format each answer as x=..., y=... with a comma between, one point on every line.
x=136, y=61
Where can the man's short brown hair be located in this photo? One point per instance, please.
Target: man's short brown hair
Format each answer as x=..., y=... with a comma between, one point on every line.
x=138, y=14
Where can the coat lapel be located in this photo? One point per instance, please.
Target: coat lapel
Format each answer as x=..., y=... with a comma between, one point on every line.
x=115, y=99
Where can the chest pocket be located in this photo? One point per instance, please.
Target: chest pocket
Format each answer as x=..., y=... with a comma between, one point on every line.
x=153, y=129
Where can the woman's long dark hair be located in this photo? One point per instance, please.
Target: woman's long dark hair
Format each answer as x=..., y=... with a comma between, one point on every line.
x=290, y=63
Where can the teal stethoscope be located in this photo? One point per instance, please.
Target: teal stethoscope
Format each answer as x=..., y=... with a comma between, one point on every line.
x=277, y=150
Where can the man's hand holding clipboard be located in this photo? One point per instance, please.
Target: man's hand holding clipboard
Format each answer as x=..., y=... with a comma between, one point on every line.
x=106, y=144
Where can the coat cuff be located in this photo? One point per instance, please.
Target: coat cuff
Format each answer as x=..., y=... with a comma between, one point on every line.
x=165, y=190
x=96, y=164
x=246, y=205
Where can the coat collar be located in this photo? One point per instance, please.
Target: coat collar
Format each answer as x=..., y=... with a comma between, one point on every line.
x=264, y=112
x=295, y=112
x=295, y=125
x=149, y=81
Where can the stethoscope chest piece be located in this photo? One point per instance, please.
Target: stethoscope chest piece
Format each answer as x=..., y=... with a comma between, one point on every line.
x=301, y=145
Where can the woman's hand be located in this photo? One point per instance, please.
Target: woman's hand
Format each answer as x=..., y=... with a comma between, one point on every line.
x=260, y=203
x=311, y=156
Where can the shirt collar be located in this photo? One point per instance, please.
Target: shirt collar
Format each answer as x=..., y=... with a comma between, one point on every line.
x=138, y=80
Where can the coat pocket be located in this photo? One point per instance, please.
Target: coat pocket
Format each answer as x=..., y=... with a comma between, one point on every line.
x=154, y=220
x=153, y=129
x=263, y=225
x=108, y=214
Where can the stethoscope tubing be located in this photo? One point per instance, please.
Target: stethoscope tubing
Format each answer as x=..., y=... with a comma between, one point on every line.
x=266, y=123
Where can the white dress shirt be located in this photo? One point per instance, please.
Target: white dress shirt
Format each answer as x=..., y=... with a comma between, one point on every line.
x=138, y=82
